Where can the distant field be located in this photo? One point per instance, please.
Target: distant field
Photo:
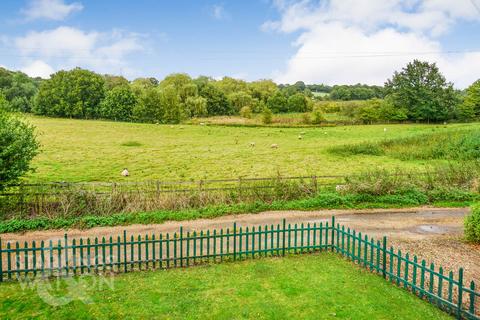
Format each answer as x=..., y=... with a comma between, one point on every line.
x=320, y=286
x=80, y=150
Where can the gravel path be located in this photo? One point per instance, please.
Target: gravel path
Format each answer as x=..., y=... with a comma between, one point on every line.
x=434, y=234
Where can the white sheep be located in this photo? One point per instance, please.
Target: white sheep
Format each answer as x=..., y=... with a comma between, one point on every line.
x=274, y=146
x=300, y=137
x=125, y=172
x=252, y=144
x=340, y=187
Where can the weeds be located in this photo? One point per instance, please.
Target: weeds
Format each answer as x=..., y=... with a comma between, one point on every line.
x=453, y=145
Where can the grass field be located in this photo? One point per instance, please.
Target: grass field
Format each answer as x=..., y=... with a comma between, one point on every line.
x=321, y=286
x=79, y=150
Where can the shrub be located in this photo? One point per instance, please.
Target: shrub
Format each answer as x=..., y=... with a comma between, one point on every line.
x=472, y=225
x=306, y=118
x=18, y=146
x=317, y=116
x=246, y=112
x=267, y=116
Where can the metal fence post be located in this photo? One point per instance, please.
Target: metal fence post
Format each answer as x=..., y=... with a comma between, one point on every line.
x=124, y=250
x=284, y=223
x=460, y=293
x=234, y=241
x=384, y=259
x=333, y=232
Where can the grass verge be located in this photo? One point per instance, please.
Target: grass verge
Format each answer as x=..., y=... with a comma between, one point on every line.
x=320, y=286
x=322, y=201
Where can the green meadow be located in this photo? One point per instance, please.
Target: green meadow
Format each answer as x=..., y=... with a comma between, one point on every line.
x=81, y=150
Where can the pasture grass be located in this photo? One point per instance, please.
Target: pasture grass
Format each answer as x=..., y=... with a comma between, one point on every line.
x=317, y=286
x=87, y=150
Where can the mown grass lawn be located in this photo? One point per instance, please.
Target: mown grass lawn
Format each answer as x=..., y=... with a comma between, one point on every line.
x=87, y=150
x=322, y=286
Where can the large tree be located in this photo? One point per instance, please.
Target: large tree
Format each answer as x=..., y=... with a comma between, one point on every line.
x=470, y=108
x=118, y=104
x=421, y=89
x=18, y=146
x=74, y=94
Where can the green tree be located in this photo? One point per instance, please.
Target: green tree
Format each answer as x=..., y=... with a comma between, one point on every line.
x=470, y=108
x=19, y=89
x=217, y=103
x=18, y=146
x=148, y=107
x=118, y=104
x=174, y=110
x=278, y=103
x=112, y=81
x=197, y=106
x=4, y=105
x=240, y=99
x=262, y=89
x=423, y=91
x=297, y=103
x=183, y=85
x=73, y=94
x=388, y=112
x=230, y=85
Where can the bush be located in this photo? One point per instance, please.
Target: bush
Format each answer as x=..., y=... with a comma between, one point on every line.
x=267, y=116
x=472, y=225
x=317, y=116
x=246, y=112
x=18, y=146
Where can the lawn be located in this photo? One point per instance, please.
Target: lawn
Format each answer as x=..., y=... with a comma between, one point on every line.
x=81, y=150
x=321, y=286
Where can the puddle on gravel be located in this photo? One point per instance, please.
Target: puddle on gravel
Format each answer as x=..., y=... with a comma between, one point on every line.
x=433, y=229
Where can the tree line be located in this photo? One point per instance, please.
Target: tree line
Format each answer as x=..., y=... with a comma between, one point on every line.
x=418, y=92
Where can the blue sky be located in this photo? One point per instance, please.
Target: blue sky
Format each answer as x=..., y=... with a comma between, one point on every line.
x=337, y=41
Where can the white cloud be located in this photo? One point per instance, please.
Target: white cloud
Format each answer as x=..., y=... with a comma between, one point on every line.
x=67, y=47
x=50, y=9
x=38, y=68
x=219, y=12
x=350, y=41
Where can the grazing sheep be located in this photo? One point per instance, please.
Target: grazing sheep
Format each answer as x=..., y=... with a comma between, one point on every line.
x=340, y=187
x=274, y=146
x=202, y=123
x=252, y=144
x=384, y=129
x=300, y=137
x=125, y=172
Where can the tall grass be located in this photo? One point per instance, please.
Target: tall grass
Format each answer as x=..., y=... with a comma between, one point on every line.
x=453, y=145
x=76, y=200
x=455, y=181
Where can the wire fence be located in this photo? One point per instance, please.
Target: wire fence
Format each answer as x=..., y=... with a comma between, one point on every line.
x=125, y=253
x=62, y=199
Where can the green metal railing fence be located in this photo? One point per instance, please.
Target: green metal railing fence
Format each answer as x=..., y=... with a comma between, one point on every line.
x=65, y=257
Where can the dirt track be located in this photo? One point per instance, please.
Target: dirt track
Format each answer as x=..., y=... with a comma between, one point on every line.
x=434, y=234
